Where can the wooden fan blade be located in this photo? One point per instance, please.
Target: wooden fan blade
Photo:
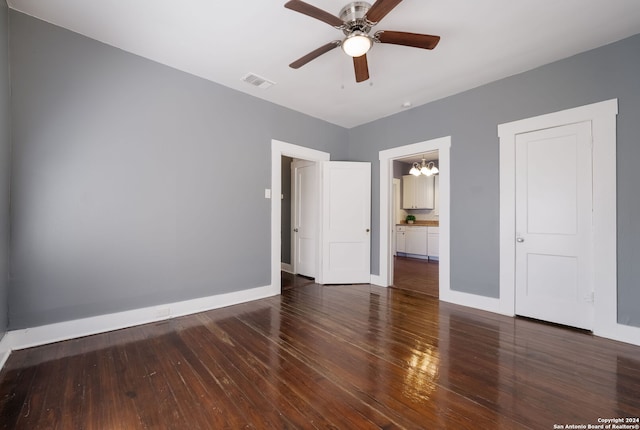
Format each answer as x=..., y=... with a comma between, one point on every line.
x=380, y=9
x=361, y=67
x=424, y=41
x=314, y=54
x=314, y=12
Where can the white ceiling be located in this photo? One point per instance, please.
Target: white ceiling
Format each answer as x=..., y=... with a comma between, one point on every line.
x=222, y=41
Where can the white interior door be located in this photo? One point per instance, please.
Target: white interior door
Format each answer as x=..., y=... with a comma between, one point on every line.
x=305, y=217
x=554, y=279
x=346, y=222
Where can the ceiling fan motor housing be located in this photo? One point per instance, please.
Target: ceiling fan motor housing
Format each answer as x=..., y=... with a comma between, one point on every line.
x=353, y=16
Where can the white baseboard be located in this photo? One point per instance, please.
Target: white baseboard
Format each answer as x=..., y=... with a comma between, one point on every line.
x=621, y=333
x=377, y=280
x=618, y=332
x=471, y=300
x=26, y=338
x=5, y=350
x=286, y=267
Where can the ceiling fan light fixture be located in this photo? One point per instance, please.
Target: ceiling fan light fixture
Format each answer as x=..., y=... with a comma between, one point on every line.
x=356, y=44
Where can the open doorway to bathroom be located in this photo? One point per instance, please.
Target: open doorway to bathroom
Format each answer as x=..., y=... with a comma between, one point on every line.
x=415, y=209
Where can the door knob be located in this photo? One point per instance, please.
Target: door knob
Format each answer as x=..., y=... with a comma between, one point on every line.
x=368, y=230
x=520, y=239
x=295, y=229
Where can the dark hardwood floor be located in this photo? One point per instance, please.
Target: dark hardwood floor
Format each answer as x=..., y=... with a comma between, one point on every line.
x=417, y=275
x=348, y=357
x=289, y=280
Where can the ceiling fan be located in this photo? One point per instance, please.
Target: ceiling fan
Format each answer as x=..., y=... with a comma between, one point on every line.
x=356, y=21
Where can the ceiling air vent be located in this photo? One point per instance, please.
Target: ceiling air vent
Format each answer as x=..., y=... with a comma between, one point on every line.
x=257, y=81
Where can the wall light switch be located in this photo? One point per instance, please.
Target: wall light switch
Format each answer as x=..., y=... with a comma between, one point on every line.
x=267, y=193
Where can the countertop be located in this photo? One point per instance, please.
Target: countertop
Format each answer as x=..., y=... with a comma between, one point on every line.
x=419, y=223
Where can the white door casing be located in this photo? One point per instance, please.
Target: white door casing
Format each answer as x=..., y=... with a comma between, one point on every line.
x=346, y=222
x=603, y=119
x=305, y=217
x=554, y=238
x=278, y=149
x=385, y=277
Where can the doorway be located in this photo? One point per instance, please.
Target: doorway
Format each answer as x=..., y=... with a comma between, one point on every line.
x=602, y=119
x=343, y=245
x=278, y=151
x=299, y=233
x=387, y=224
x=415, y=212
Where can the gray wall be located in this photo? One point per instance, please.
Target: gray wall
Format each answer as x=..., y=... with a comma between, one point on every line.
x=130, y=185
x=5, y=166
x=126, y=188
x=471, y=118
x=399, y=169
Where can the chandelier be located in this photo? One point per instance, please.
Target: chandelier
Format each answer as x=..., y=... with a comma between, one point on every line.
x=424, y=168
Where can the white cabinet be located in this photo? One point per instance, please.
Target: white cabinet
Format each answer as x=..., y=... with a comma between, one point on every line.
x=425, y=186
x=400, y=239
x=433, y=242
x=408, y=192
x=416, y=240
x=418, y=192
x=411, y=240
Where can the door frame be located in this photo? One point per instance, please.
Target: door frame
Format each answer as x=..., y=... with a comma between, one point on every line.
x=603, y=123
x=278, y=149
x=386, y=157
